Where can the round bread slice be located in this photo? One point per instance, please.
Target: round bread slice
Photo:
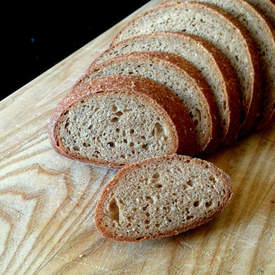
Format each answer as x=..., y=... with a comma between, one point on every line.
x=161, y=197
x=180, y=77
x=118, y=120
x=211, y=62
x=220, y=29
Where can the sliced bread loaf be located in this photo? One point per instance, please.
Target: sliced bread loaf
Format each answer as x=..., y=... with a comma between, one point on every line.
x=161, y=197
x=261, y=32
x=179, y=76
x=121, y=119
x=210, y=61
x=220, y=29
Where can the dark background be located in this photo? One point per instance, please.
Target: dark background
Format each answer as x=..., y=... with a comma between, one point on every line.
x=38, y=36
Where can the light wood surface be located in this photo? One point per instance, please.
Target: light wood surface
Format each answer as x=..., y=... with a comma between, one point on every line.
x=47, y=202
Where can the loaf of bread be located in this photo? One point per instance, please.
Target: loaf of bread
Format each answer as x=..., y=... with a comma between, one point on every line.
x=161, y=197
x=220, y=29
x=261, y=32
x=180, y=77
x=213, y=65
x=117, y=120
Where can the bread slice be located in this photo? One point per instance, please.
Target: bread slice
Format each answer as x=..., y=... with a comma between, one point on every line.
x=161, y=197
x=261, y=32
x=266, y=7
x=118, y=120
x=218, y=28
x=180, y=77
x=211, y=62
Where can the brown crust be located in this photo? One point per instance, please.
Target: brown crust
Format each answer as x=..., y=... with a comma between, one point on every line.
x=155, y=94
x=182, y=66
x=128, y=169
x=256, y=93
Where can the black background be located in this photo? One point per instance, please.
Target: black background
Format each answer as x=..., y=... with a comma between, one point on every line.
x=37, y=36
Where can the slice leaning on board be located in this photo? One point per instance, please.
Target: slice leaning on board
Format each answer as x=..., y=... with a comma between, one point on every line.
x=261, y=31
x=218, y=28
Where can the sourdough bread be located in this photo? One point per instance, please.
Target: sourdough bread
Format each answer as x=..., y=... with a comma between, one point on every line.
x=179, y=76
x=220, y=29
x=210, y=61
x=161, y=197
x=121, y=119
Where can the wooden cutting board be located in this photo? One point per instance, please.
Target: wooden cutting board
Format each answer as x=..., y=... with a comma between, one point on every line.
x=47, y=202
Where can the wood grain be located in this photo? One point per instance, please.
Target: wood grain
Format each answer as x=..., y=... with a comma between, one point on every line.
x=47, y=202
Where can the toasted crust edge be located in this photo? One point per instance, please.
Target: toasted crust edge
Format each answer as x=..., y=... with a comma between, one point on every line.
x=111, y=185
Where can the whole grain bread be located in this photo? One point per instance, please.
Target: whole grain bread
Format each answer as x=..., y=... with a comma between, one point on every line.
x=261, y=32
x=217, y=27
x=211, y=62
x=180, y=77
x=161, y=197
x=117, y=120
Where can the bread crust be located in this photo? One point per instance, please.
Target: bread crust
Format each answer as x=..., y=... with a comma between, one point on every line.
x=129, y=168
x=253, y=108
x=155, y=94
x=182, y=66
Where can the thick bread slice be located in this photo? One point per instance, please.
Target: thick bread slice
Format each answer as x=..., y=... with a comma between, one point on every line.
x=220, y=29
x=210, y=61
x=180, y=77
x=121, y=119
x=161, y=197
x=261, y=32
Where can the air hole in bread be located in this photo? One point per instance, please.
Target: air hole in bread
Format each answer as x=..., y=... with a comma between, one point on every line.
x=131, y=144
x=155, y=175
x=114, y=211
x=119, y=113
x=114, y=108
x=196, y=203
x=189, y=183
x=189, y=217
x=158, y=186
x=117, y=130
x=158, y=130
x=114, y=119
x=76, y=148
x=132, y=131
x=111, y=144
x=86, y=144
x=208, y=204
x=144, y=146
x=212, y=179
x=148, y=198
